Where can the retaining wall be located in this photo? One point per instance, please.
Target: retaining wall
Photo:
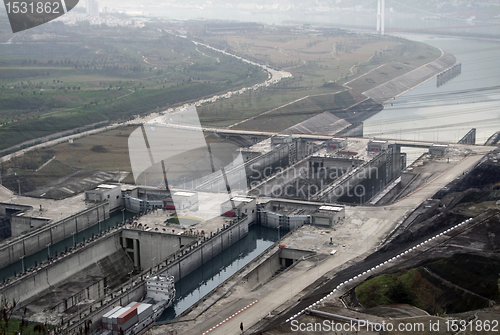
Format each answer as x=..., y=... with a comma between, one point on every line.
x=91, y=292
x=52, y=233
x=205, y=251
x=46, y=277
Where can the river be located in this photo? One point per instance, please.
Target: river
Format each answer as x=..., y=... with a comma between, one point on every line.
x=448, y=112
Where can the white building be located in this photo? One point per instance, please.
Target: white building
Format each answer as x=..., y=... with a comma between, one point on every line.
x=103, y=192
x=328, y=215
x=237, y=206
x=92, y=7
x=182, y=200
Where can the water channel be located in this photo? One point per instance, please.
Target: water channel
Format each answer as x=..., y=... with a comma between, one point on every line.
x=52, y=250
x=448, y=112
x=200, y=282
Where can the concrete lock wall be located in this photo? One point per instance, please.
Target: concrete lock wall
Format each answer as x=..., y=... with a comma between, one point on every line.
x=253, y=170
x=153, y=247
x=135, y=293
x=275, y=220
x=21, y=224
x=291, y=204
x=265, y=271
x=271, y=265
x=46, y=277
x=202, y=253
x=91, y=292
x=267, y=164
x=294, y=254
x=5, y=207
x=349, y=181
x=286, y=177
x=51, y=233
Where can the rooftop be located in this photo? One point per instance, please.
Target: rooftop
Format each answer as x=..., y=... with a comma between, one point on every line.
x=49, y=208
x=242, y=199
x=184, y=194
x=331, y=208
x=107, y=186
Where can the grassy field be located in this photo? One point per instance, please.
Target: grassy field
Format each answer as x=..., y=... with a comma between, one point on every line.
x=14, y=327
x=110, y=74
x=320, y=65
x=405, y=287
x=103, y=151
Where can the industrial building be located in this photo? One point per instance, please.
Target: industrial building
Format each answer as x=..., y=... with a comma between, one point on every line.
x=336, y=143
x=328, y=216
x=238, y=206
x=106, y=192
x=377, y=145
x=438, y=149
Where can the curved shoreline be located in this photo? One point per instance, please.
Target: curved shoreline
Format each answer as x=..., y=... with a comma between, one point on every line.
x=380, y=94
x=396, y=87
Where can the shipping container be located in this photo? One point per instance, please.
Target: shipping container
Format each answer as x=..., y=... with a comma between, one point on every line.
x=114, y=317
x=144, y=310
x=127, y=315
x=126, y=325
x=106, y=320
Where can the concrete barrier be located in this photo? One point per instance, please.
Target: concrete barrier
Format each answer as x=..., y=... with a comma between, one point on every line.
x=184, y=265
x=91, y=292
x=12, y=250
x=44, y=278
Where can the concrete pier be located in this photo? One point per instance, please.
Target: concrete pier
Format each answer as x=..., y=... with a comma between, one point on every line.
x=469, y=138
x=493, y=139
x=449, y=74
